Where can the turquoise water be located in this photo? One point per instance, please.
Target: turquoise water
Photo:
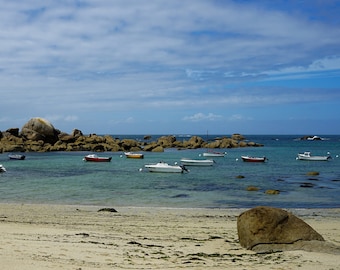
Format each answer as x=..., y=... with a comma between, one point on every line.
x=64, y=178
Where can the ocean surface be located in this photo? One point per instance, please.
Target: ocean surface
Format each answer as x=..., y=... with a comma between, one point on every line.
x=64, y=178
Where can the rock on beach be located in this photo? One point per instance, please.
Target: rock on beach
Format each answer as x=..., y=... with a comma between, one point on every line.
x=265, y=228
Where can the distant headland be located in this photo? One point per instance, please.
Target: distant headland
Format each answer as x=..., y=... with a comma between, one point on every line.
x=39, y=135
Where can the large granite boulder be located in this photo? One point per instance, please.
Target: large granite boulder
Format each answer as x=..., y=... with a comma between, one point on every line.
x=166, y=141
x=77, y=133
x=40, y=129
x=267, y=226
x=238, y=137
x=193, y=143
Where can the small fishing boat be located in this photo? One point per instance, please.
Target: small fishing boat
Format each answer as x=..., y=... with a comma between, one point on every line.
x=16, y=156
x=197, y=162
x=95, y=158
x=253, y=159
x=308, y=156
x=2, y=168
x=214, y=154
x=133, y=155
x=165, y=168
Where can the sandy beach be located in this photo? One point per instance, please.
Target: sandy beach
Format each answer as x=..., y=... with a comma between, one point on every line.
x=80, y=237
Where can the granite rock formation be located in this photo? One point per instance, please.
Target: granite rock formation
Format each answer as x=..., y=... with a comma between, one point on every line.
x=267, y=229
x=39, y=135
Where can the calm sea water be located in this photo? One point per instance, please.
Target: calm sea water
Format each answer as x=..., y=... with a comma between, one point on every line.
x=64, y=178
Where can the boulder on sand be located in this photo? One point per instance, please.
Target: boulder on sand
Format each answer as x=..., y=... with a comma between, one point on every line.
x=266, y=228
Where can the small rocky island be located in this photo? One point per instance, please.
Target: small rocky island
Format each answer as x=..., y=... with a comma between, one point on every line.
x=39, y=135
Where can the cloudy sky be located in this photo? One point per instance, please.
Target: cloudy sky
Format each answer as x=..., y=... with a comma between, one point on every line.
x=172, y=67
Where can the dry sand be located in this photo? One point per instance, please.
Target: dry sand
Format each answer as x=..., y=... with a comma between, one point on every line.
x=80, y=237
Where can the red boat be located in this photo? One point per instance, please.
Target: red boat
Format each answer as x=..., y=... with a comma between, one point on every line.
x=95, y=158
x=253, y=159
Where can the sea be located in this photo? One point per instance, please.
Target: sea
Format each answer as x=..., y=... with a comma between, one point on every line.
x=64, y=178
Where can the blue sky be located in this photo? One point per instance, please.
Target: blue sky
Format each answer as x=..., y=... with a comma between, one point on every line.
x=172, y=67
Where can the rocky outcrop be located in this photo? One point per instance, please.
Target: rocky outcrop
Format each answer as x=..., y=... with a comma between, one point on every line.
x=39, y=129
x=39, y=135
x=266, y=229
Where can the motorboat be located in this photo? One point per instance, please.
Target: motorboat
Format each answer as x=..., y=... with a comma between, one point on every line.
x=95, y=158
x=197, y=162
x=214, y=154
x=2, y=168
x=133, y=155
x=309, y=156
x=311, y=138
x=165, y=168
x=315, y=138
x=16, y=156
x=253, y=159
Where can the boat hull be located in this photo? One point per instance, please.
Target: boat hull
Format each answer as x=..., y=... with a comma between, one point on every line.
x=253, y=159
x=2, y=168
x=213, y=154
x=314, y=158
x=16, y=157
x=164, y=168
x=197, y=162
x=307, y=156
x=134, y=155
x=95, y=158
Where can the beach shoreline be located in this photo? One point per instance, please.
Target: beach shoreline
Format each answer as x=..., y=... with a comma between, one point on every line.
x=45, y=236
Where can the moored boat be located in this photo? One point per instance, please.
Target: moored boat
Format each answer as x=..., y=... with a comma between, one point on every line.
x=2, y=168
x=165, y=168
x=197, y=162
x=214, y=154
x=133, y=155
x=315, y=138
x=95, y=158
x=16, y=156
x=253, y=159
x=309, y=156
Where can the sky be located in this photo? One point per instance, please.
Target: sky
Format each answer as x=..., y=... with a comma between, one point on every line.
x=172, y=67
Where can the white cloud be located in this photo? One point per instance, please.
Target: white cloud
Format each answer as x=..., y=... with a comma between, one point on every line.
x=330, y=64
x=71, y=118
x=128, y=120
x=238, y=117
x=202, y=117
x=77, y=60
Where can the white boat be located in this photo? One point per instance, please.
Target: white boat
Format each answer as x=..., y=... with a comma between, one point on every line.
x=315, y=138
x=2, y=168
x=214, y=154
x=197, y=162
x=133, y=155
x=165, y=167
x=311, y=138
x=16, y=156
x=308, y=156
